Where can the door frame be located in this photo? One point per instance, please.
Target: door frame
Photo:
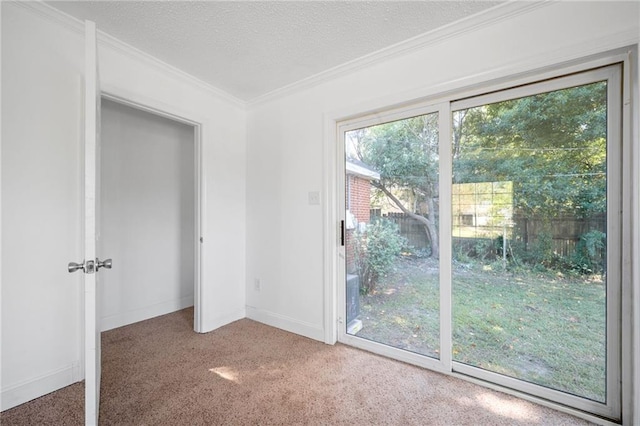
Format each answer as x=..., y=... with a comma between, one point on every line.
x=161, y=109
x=334, y=254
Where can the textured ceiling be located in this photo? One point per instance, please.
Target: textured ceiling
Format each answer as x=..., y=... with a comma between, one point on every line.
x=251, y=48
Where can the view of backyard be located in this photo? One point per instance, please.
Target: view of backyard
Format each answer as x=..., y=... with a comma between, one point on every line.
x=544, y=328
x=529, y=236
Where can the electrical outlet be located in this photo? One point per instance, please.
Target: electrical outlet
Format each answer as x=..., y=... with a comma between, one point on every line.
x=314, y=198
x=256, y=284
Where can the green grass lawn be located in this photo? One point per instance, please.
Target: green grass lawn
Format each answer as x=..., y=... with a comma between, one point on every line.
x=544, y=328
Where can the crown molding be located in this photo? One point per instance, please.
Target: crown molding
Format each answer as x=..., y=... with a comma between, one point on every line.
x=472, y=23
x=73, y=24
x=137, y=54
x=485, y=18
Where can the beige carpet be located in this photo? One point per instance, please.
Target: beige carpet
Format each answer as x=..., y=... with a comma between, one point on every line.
x=159, y=372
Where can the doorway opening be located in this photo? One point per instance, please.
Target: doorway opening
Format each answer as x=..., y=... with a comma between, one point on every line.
x=149, y=215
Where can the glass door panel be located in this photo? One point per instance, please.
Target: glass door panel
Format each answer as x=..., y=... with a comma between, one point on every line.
x=392, y=235
x=530, y=238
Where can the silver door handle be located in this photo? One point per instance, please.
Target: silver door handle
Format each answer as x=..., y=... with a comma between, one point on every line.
x=75, y=266
x=87, y=267
x=107, y=263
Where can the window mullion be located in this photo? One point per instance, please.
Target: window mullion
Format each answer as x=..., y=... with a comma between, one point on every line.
x=445, y=180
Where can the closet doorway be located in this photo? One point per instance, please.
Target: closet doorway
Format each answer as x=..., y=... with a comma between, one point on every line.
x=148, y=215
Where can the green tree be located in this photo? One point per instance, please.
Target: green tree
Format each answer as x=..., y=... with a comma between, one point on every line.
x=405, y=153
x=552, y=146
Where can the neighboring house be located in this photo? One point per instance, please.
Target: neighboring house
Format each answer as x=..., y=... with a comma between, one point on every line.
x=358, y=205
x=358, y=201
x=481, y=209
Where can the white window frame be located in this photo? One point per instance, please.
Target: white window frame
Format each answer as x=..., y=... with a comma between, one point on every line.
x=613, y=75
x=442, y=364
x=620, y=405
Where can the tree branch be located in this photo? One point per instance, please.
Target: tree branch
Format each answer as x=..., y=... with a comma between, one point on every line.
x=401, y=206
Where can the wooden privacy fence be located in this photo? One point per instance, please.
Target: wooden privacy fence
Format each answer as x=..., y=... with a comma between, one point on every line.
x=410, y=229
x=564, y=231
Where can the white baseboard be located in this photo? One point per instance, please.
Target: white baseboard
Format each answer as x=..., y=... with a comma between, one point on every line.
x=129, y=317
x=222, y=320
x=283, y=322
x=34, y=388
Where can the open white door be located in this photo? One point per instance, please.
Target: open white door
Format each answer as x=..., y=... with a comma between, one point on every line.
x=91, y=138
x=91, y=263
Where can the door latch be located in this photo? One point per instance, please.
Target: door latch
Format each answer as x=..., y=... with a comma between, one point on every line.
x=88, y=267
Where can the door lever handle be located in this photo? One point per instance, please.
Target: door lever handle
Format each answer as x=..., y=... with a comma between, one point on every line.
x=107, y=263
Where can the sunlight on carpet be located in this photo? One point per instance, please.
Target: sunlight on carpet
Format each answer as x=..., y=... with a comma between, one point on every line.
x=513, y=409
x=226, y=373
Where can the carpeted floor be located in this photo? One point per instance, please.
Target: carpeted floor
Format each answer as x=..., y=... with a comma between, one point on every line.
x=159, y=372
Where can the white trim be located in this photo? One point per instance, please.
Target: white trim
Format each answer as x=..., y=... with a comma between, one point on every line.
x=412, y=358
x=153, y=62
x=150, y=105
x=529, y=89
x=130, y=317
x=528, y=388
x=577, y=53
x=92, y=336
x=407, y=111
x=312, y=331
x=198, y=323
x=631, y=236
x=156, y=107
x=222, y=320
x=487, y=17
x=632, y=398
x=59, y=17
x=616, y=238
x=445, y=189
x=330, y=238
x=625, y=37
x=527, y=397
x=1, y=316
x=36, y=387
x=341, y=245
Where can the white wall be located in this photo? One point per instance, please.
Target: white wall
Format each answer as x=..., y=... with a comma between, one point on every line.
x=223, y=132
x=147, y=216
x=286, y=134
x=42, y=67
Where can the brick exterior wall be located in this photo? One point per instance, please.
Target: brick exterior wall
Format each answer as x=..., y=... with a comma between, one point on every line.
x=359, y=204
x=360, y=194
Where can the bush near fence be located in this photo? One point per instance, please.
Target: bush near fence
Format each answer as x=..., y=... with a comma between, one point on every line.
x=563, y=232
x=413, y=232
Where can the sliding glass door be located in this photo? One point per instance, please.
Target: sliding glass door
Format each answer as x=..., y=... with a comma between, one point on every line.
x=482, y=236
x=391, y=234
x=536, y=193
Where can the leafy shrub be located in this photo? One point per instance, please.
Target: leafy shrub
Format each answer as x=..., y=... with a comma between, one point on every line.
x=588, y=256
x=468, y=250
x=375, y=250
x=542, y=251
